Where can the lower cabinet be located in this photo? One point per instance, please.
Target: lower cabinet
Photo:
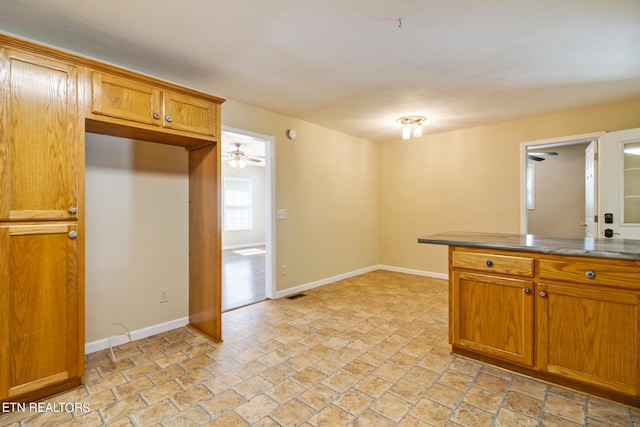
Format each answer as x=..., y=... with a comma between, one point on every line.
x=41, y=323
x=498, y=316
x=570, y=320
x=590, y=335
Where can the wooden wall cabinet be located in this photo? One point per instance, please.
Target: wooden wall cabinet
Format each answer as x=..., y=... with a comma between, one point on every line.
x=125, y=101
x=48, y=99
x=570, y=320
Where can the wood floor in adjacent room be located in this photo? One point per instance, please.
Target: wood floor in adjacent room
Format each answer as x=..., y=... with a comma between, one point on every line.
x=366, y=351
x=243, y=277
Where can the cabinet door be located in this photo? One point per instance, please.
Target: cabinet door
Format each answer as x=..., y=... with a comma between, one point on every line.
x=189, y=114
x=39, y=138
x=493, y=315
x=126, y=99
x=590, y=335
x=39, y=321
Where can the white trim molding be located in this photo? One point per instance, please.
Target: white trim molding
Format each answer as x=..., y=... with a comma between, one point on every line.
x=432, y=274
x=122, y=338
x=322, y=282
x=246, y=245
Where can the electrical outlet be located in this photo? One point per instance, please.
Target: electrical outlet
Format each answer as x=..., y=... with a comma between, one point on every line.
x=284, y=270
x=164, y=295
x=358, y=254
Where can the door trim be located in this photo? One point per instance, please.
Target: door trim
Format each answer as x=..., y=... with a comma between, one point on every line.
x=270, y=202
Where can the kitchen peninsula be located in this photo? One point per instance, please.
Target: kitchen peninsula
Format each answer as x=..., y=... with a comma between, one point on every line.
x=563, y=310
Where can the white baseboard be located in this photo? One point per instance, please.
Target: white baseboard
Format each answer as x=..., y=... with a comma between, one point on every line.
x=103, y=344
x=311, y=285
x=246, y=245
x=444, y=276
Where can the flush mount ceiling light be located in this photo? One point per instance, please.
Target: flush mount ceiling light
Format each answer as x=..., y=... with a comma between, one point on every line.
x=411, y=124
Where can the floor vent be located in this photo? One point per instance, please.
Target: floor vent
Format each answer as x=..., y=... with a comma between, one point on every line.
x=296, y=296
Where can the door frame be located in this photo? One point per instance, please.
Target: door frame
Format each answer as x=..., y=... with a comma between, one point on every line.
x=546, y=144
x=270, y=202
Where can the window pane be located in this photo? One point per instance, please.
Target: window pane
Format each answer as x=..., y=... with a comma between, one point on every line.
x=237, y=204
x=631, y=183
x=632, y=210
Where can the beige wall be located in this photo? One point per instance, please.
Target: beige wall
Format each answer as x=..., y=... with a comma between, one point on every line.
x=136, y=234
x=559, y=193
x=468, y=180
x=328, y=183
x=257, y=233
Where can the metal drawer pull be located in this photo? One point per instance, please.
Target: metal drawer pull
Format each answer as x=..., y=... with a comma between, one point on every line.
x=489, y=263
x=543, y=294
x=73, y=210
x=527, y=290
x=73, y=235
x=590, y=274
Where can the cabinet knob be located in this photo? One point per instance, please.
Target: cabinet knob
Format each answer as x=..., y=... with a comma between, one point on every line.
x=73, y=235
x=73, y=210
x=156, y=116
x=543, y=294
x=489, y=263
x=527, y=290
x=169, y=118
x=590, y=274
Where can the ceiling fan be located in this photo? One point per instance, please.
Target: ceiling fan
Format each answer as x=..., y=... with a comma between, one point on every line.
x=237, y=158
x=536, y=156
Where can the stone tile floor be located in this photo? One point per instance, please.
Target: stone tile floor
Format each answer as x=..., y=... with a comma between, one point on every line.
x=367, y=351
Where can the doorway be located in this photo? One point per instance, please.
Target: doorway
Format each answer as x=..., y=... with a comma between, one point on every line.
x=558, y=191
x=247, y=199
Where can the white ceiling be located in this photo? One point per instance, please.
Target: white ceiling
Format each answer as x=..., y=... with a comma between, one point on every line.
x=350, y=66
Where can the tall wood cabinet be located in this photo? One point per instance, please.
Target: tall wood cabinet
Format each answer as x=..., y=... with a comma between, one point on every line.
x=41, y=293
x=48, y=99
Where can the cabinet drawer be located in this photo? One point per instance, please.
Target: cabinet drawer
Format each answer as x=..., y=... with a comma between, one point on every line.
x=590, y=273
x=519, y=266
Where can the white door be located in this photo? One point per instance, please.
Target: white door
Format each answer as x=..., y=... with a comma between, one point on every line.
x=590, y=197
x=619, y=189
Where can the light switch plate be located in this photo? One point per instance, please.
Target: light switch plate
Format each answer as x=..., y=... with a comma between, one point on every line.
x=281, y=214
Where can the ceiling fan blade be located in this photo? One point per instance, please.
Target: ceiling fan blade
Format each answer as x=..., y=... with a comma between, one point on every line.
x=543, y=153
x=535, y=158
x=251, y=159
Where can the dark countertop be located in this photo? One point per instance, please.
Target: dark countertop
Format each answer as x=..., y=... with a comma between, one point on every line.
x=588, y=247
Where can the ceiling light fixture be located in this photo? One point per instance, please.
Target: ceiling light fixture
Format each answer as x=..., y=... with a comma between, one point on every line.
x=237, y=163
x=411, y=124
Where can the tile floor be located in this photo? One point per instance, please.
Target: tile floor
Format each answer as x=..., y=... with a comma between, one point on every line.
x=367, y=351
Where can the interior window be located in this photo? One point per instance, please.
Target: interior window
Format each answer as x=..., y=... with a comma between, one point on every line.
x=631, y=183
